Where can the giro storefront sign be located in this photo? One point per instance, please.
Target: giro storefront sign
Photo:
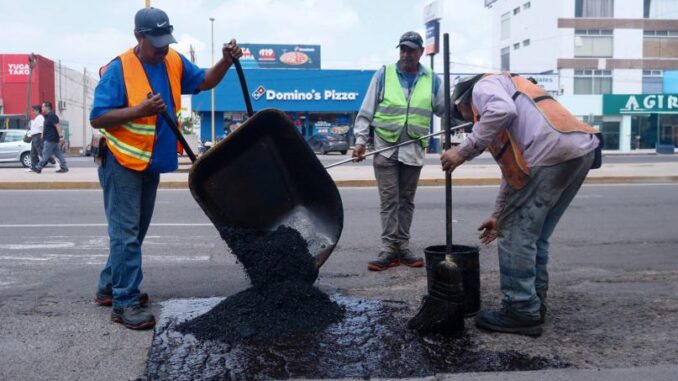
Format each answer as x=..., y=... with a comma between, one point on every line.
x=277, y=56
x=617, y=104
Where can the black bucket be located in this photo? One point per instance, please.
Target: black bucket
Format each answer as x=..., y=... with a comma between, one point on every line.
x=467, y=258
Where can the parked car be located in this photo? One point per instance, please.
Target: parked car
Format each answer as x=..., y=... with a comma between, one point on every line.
x=324, y=143
x=13, y=148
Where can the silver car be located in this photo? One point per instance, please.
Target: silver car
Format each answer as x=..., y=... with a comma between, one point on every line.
x=13, y=148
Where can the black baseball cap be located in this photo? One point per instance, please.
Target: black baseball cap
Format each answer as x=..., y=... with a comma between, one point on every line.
x=154, y=24
x=411, y=40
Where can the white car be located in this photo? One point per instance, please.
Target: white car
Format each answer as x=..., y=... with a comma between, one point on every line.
x=13, y=148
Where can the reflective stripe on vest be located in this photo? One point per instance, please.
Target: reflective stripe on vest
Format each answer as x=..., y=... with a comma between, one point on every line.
x=394, y=112
x=132, y=143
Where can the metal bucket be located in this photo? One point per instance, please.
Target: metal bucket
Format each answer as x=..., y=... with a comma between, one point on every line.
x=467, y=258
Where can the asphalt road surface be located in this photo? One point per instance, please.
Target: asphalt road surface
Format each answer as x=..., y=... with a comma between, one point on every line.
x=613, y=297
x=431, y=159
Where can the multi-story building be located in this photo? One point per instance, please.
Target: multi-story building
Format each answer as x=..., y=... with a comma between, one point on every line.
x=70, y=92
x=616, y=61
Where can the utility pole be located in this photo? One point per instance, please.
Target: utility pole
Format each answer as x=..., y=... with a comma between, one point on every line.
x=31, y=65
x=212, y=91
x=84, y=112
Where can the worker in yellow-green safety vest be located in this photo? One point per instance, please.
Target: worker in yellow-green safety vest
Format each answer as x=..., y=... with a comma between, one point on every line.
x=398, y=105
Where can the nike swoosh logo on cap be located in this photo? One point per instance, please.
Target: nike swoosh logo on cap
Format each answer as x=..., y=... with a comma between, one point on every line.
x=160, y=25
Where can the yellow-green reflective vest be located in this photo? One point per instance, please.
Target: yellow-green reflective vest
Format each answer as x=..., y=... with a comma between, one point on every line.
x=394, y=112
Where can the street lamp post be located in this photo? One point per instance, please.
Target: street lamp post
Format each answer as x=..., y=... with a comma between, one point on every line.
x=212, y=91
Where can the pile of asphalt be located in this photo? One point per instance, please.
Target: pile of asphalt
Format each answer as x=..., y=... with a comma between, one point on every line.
x=282, y=301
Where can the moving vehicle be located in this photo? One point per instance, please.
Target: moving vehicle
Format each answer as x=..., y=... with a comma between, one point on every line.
x=13, y=147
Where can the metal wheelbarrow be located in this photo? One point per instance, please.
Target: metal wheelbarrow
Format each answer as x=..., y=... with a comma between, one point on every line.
x=265, y=175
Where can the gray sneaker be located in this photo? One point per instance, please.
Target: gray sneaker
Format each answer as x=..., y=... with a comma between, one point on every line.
x=411, y=260
x=133, y=317
x=384, y=261
x=504, y=320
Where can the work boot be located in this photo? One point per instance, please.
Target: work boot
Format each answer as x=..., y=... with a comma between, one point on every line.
x=105, y=298
x=503, y=320
x=542, y=306
x=133, y=317
x=410, y=260
x=384, y=261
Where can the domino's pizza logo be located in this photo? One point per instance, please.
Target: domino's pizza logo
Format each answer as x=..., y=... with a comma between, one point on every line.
x=258, y=92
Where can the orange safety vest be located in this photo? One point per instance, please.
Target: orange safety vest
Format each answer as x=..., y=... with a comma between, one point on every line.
x=505, y=150
x=132, y=143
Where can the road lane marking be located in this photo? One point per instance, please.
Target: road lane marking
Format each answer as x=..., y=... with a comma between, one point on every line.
x=162, y=224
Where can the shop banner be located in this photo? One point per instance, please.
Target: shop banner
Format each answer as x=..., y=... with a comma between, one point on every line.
x=15, y=68
x=619, y=104
x=272, y=56
x=431, y=45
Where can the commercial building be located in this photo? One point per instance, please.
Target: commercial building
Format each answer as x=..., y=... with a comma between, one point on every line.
x=312, y=98
x=615, y=61
x=71, y=93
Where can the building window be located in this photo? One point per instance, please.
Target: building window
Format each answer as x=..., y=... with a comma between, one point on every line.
x=593, y=43
x=653, y=82
x=594, y=8
x=527, y=5
x=660, y=9
x=505, y=25
x=516, y=46
x=660, y=44
x=506, y=59
x=526, y=42
x=592, y=81
x=516, y=11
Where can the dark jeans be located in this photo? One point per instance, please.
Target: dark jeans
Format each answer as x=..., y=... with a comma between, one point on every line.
x=51, y=149
x=397, y=185
x=129, y=200
x=36, y=148
x=525, y=227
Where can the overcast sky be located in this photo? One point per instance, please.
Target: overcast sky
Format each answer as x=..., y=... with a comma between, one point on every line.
x=353, y=34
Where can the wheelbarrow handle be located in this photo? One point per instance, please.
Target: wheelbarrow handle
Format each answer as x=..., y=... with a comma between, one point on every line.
x=461, y=126
x=243, y=86
x=175, y=128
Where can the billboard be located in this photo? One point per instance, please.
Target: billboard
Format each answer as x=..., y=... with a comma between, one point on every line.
x=277, y=56
x=16, y=68
x=431, y=44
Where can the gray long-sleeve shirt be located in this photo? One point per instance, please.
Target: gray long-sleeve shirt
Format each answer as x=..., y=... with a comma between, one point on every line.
x=540, y=144
x=411, y=154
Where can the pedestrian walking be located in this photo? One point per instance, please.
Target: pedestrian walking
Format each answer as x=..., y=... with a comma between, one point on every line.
x=53, y=137
x=544, y=153
x=36, y=135
x=399, y=105
x=139, y=146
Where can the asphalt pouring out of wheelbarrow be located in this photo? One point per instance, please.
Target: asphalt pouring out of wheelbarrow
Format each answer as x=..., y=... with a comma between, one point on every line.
x=284, y=327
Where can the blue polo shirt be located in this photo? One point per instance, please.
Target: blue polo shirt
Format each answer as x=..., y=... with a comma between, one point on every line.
x=110, y=94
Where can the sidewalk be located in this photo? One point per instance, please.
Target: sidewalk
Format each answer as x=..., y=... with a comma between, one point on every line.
x=350, y=175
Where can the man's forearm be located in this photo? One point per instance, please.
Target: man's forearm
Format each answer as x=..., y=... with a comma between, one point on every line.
x=116, y=117
x=215, y=74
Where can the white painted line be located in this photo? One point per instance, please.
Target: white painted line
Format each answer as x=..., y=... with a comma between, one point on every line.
x=169, y=224
x=33, y=246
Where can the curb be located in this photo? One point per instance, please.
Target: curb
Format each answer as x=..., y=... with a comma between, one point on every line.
x=183, y=184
